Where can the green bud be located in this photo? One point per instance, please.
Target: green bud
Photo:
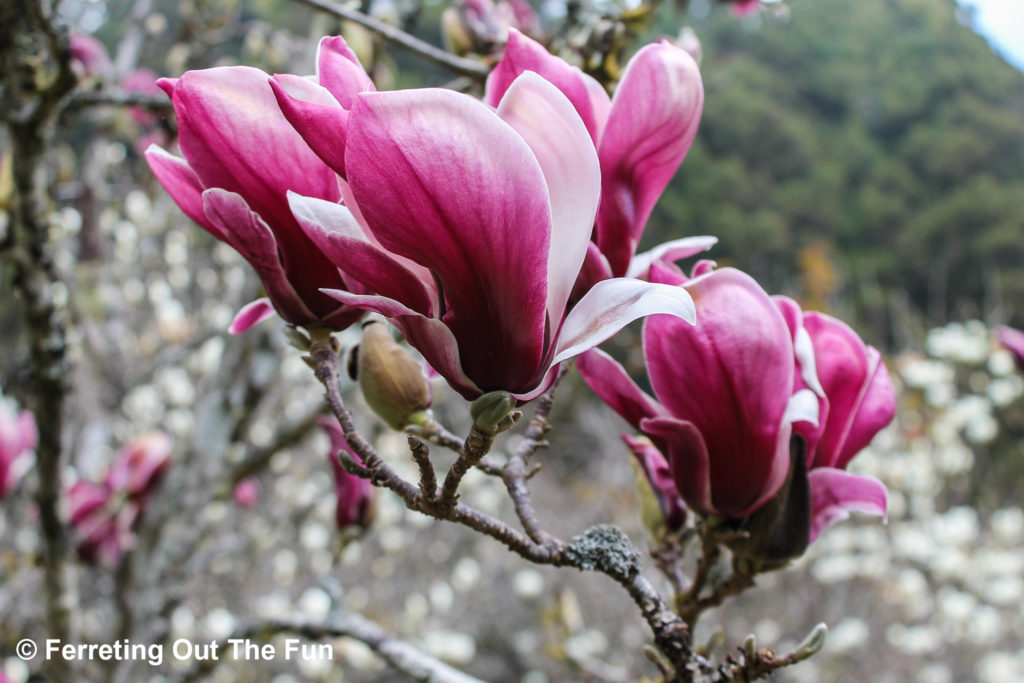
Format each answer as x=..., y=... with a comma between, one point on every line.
x=392, y=381
x=489, y=412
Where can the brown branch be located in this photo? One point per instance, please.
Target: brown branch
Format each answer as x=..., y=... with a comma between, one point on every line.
x=421, y=456
x=604, y=549
x=159, y=104
x=399, y=655
x=35, y=78
x=396, y=36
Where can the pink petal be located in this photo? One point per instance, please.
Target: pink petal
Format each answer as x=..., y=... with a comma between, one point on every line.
x=525, y=54
x=610, y=382
x=835, y=493
x=731, y=377
x=334, y=230
x=234, y=136
x=553, y=130
x=860, y=394
x=316, y=116
x=182, y=184
x=443, y=181
x=611, y=305
x=140, y=464
x=688, y=459
x=338, y=69
x=250, y=315
x=244, y=230
x=595, y=268
x=650, y=128
x=673, y=251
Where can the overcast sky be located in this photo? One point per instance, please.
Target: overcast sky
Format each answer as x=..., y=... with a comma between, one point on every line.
x=1002, y=22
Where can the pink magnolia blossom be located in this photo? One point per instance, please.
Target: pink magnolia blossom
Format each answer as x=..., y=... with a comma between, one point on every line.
x=732, y=390
x=105, y=515
x=1013, y=340
x=725, y=397
x=642, y=135
x=467, y=228
x=89, y=58
x=241, y=157
x=18, y=436
x=354, y=494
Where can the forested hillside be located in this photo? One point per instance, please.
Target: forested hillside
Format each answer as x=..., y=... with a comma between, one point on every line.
x=869, y=156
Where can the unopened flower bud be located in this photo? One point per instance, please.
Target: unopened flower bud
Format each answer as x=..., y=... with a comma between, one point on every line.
x=393, y=382
x=493, y=412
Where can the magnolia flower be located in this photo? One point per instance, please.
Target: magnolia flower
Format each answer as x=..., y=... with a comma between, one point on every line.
x=725, y=397
x=467, y=228
x=354, y=494
x=641, y=135
x=744, y=8
x=241, y=157
x=105, y=515
x=1013, y=340
x=735, y=388
x=18, y=436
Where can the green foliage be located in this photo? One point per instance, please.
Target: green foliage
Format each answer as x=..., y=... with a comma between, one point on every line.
x=885, y=128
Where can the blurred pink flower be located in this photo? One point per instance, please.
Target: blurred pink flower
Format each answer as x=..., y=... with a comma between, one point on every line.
x=354, y=494
x=745, y=8
x=641, y=135
x=89, y=58
x=241, y=158
x=479, y=26
x=1013, y=340
x=105, y=515
x=18, y=436
x=467, y=227
x=247, y=492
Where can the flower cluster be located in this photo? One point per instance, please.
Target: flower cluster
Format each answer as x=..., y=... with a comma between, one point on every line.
x=500, y=238
x=754, y=377
x=105, y=515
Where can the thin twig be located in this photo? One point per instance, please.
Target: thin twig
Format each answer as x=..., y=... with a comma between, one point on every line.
x=398, y=654
x=421, y=455
x=459, y=65
x=159, y=104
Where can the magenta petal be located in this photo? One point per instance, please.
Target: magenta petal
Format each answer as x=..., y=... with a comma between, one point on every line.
x=244, y=230
x=650, y=128
x=731, y=377
x=181, y=183
x=835, y=493
x=338, y=69
x=553, y=130
x=595, y=269
x=860, y=394
x=250, y=315
x=611, y=305
x=610, y=382
x=321, y=123
x=234, y=136
x=688, y=459
x=525, y=54
x=670, y=252
x=443, y=181
x=334, y=230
